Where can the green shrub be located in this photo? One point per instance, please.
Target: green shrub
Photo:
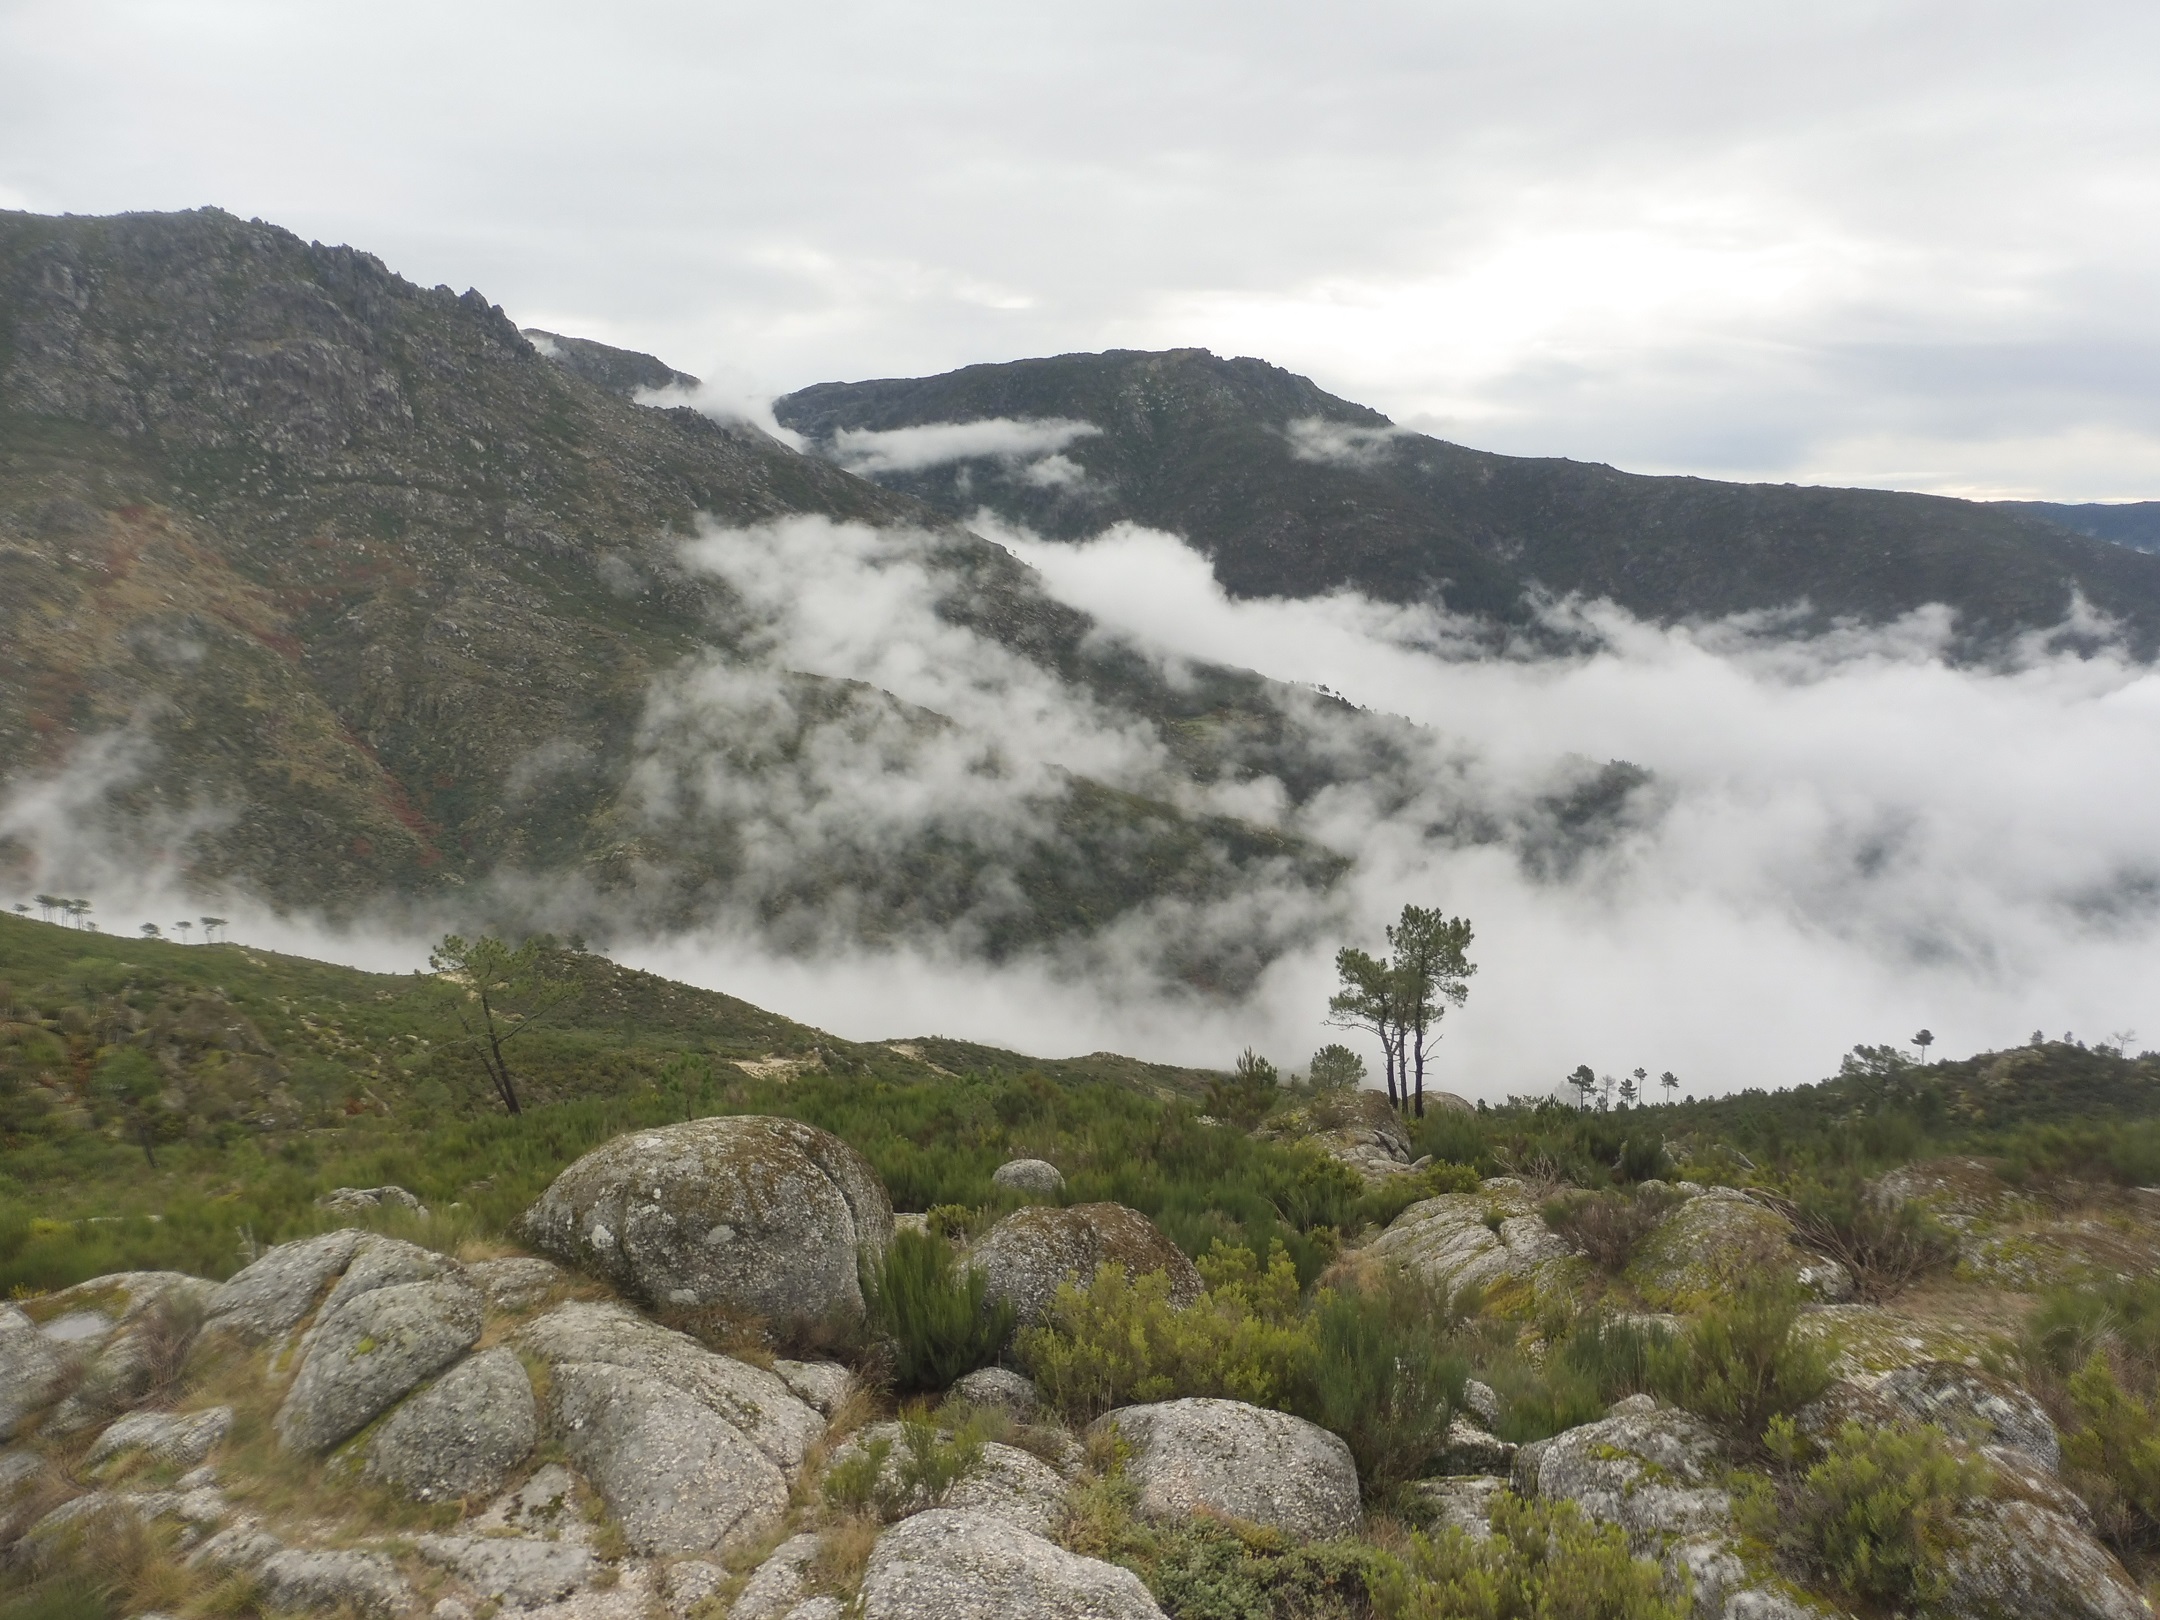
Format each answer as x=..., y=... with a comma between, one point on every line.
x=936, y=1315
x=1244, y=1096
x=1740, y=1363
x=1311, y=1190
x=1120, y=1340
x=1381, y=1373
x=2111, y=1452
x=1592, y=1360
x=1212, y=1569
x=906, y=1477
x=1876, y=1516
x=1543, y=1561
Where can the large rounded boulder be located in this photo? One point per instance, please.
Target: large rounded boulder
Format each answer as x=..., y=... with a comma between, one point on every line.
x=1243, y=1462
x=769, y=1217
x=1028, y=1254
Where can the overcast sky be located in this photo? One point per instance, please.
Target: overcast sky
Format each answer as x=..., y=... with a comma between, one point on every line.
x=1899, y=244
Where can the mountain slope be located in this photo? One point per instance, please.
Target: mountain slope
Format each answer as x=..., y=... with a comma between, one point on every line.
x=335, y=588
x=1293, y=492
x=337, y=591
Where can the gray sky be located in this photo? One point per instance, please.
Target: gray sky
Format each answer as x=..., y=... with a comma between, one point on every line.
x=1900, y=244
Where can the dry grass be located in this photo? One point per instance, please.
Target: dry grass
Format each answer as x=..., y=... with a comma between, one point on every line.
x=843, y=1554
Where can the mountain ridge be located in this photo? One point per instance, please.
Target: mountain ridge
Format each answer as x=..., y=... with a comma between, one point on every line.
x=1291, y=491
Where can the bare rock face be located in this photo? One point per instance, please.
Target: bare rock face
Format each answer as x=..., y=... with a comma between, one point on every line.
x=461, y=1435
x=383, y=1262
x=691, y=1451
x=678, y=1477
x=949, y=1564
x=515, y=1570
x=274, y=1293
x=825, y=1385
x=182, y=1439
x=364, y=1355
x=760, y=1404
x=776, y=1586
x=770, y=1217
x=1028, y=1254
x=1493, y=1239
x=1246, y=1462
x=366, y=1582
x=2019, y=1558
x=1037, y=1176
x=1003, y=1389
x=516, y=1283
x=31, y=1368
x=1974, y=1406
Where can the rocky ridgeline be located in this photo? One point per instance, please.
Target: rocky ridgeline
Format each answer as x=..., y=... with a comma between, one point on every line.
x=354, y=1423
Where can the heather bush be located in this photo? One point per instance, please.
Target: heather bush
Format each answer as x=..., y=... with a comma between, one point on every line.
x=1120, y=1340
x=934, y=1313
x=1381, y=1373
x=1609, y=1226
x=1740, y=1363
x=1874, y=1516
x=1543, y=1561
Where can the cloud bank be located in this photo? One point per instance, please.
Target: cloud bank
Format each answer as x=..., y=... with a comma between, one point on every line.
x=1839, y=840
x=870, y=451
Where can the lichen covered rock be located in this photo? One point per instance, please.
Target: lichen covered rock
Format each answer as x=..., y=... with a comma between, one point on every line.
x=2018, y=1558
x=677, y=1476
x=1720, y=1241
x=769, y=1217
x=1493, y=1240
x=1037, y=1176
x=273, y=1293
x=461, y=1435
x=365, y=1355
x=1244, y=1462
x=748, y=1398
x=949, y=1564
x=1028, y=1254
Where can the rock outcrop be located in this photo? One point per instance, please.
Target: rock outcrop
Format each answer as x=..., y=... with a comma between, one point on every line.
x=1244, y=1462
x=364, y=1355
x=1028, y=1254
x=1719, y=1240
x=949, y=1564
x=273, y=1294
x=461, y=1436
x=1654, y=1472
x=691, y=1451
x=768, y=1217
x=1493, y=1240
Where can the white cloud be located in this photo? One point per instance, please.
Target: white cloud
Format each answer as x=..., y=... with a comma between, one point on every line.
x=1314, y=438
x=936, y=444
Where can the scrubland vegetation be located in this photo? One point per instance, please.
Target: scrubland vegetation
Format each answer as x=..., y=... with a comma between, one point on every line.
x=183, y=1106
